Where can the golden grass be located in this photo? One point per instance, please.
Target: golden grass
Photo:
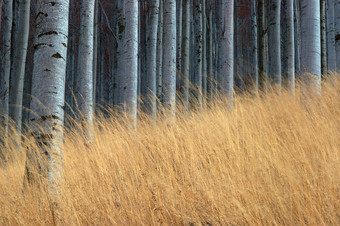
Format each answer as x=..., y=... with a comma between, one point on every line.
x=272, y=160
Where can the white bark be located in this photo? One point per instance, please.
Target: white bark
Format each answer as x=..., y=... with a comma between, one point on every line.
x=274, y=41
x=129, y=75
x=151, y=57
x=289, y=46
x=227, y=50
x=48, y=84
x=331, y=59
x=185, y=69
x=159, y=60
x=169, y=55
x=311, y=42
x=323, y=37
x=84, y=82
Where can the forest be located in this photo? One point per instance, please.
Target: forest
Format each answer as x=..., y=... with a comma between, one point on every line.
x=184, y=112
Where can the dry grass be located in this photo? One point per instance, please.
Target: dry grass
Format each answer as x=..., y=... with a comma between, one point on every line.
x=272, y=160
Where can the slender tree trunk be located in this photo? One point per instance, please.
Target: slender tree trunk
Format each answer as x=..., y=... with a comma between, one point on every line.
x=275, y=41
x=130, y=60
x=150, y=94
x=5, y=67
x=311, y=42
x=204, y=50
x=262, y=44
x=289, y=46
x=337, y=32
x=70, y=66
x=169, y=55
x=227, y=48
x=179, y=28
x=198, y=57
x=84, y=90
x=18, y=63
x=48, y=90
x=331, y=59
x=297, y=36
x=95, y=53
x=185, y=54
x=323, y=37
x=159, y=56
x=210, y=58
x=255, y=71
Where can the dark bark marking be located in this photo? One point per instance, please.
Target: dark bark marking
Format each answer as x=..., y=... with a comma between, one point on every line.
x=337, y=37
x=48, y=33
x=41, y=13
x=58, y=56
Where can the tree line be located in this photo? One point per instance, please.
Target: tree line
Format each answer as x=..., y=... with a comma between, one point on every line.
x=71, y=57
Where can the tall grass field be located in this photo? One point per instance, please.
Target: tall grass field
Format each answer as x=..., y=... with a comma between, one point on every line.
x=272, y=160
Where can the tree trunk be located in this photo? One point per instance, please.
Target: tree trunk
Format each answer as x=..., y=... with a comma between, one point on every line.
x=210, y=69
x=297, y=38
x=198, y=57
x=150, y=94
x=179, y=27
x=5, y=67
x=262, y=54
x=95, y=53
x=311, y=42
x=19, y=59
x=274, y=44
x=323, y=37
x=48, y=89
x=185, y=54
x=337, y=32
x=169, y=55
x=159, y=56
x=227, y=50
x=129, y=76
x=204, y=50
x=289, y=46
x=331, y=59
x=255, y=71
x=84, y=82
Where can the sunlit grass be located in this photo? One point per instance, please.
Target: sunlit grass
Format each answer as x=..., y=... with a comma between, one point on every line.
x=274, y=159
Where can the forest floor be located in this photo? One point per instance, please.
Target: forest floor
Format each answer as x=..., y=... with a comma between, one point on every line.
x=274, y=159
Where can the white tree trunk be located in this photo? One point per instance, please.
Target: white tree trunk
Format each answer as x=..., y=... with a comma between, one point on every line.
x=129, y=76
x=323, y=37
x=151, y=57
x=6, y=67
x=227, y=50
x=84, y=82
x=311, y=42
x=274, y=41
x=159, y=60
x=289, y=46
x=331, y=54
x=210, y=70
x=48, y=84
x=19, y=59
x=185, y=67
x=169, y=55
